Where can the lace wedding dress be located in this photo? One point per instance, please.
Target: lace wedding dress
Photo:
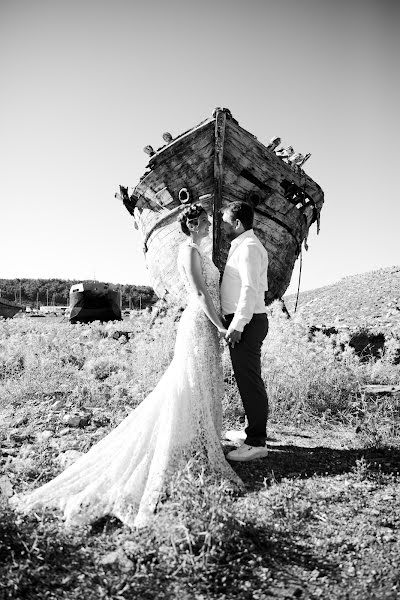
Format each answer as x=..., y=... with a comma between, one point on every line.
x=125, y=473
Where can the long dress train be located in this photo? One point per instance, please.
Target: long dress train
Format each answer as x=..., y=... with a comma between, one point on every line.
x=125, y=473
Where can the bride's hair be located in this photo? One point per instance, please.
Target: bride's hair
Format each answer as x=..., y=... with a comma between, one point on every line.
x=190, y=214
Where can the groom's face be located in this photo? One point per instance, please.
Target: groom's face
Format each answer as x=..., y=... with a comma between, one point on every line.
x=230, y=225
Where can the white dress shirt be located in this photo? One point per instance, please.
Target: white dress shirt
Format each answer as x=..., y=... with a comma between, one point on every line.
x=245, y=280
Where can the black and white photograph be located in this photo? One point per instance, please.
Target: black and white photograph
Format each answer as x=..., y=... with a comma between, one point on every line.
x=199, y=300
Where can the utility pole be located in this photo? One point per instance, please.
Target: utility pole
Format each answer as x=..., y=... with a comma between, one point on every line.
x=20, y=291
x=47, y=296
x=37, y=300
x=140, y=301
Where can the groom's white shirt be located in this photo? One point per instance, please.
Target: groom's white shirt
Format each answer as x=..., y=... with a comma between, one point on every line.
x=245, y=280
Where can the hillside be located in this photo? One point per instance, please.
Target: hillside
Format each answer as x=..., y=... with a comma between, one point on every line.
x=369, y=300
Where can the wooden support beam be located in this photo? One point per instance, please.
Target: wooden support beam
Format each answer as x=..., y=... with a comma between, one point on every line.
x=220, y=122
x=381, y=389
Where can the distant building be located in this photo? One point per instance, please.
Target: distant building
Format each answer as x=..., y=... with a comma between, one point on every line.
x=58, y=310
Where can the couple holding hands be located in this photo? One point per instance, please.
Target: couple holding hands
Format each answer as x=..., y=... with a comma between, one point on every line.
x=179, y=423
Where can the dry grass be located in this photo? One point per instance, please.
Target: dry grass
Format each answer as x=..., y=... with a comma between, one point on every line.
x=319, y=518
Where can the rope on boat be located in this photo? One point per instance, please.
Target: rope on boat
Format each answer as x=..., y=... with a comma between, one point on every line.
x=301, y=253
x=298, y=287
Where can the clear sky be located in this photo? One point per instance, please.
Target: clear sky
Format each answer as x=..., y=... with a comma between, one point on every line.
x=87, y=84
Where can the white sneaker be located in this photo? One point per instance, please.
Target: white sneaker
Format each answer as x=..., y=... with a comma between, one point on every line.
x=235, y=436
x=246, y=452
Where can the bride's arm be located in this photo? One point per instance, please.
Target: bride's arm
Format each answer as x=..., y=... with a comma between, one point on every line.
x=192, y=265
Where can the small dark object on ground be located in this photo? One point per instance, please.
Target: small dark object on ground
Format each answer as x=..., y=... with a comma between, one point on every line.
x=117, y=334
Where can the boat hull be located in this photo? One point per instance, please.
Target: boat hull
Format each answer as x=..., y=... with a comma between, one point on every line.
x=219, y=162
x=89, y=305
x=9, y=309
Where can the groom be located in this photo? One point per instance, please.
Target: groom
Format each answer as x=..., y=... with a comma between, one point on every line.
x=242, y=301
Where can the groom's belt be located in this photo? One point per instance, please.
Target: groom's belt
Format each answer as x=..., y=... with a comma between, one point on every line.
x=255, y=315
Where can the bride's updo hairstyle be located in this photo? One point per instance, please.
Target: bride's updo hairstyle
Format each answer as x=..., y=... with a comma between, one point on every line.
x=190, y=214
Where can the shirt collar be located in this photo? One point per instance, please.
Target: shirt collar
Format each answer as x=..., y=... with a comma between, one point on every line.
x=240, y=238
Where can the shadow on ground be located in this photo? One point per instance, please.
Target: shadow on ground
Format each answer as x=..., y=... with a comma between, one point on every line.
x=291, y=461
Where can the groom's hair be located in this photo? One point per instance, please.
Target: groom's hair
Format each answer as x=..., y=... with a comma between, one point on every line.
x=242, y=211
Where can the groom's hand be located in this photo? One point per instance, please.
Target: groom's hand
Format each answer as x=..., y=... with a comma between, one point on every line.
x=233, y=337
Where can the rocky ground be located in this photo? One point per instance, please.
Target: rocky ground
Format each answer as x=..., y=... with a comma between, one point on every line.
x=370, y=300
x=318, y=518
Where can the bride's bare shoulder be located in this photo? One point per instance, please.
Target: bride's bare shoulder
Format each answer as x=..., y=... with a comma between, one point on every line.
x=188, y=255
x=188, y=248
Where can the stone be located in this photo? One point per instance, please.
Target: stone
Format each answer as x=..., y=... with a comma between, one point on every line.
x=101, y=421
x=110, y=559
x=64, y=431
x=72, y=420
x=76, y=420
x=6, y=488
x=57, y=405
x=44, y=436
x=117, y=558
x=20, y=421
x=84, y=421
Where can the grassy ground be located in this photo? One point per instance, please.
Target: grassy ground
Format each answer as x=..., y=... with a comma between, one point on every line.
x=319, y=518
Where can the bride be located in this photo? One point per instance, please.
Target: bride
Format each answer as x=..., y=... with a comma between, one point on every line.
x=125, y=474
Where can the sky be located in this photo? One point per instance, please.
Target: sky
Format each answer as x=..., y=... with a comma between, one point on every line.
x=87, y=84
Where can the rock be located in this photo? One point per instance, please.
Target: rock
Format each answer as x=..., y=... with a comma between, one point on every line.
x=20, y=421
x=57, y=405
x=44, y=436
x=125, y=563
x=6, y=488
x=110, y=559
x=117, y=558
x=67, y=444
x=71, y=420
x=85, y=420
x=64, y=431
x=76, y=420
x=101, y=421
x=68, y=457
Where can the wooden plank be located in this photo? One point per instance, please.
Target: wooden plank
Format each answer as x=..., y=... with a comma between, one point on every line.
x=220, y=123
x=380, y=389
x=269, y=162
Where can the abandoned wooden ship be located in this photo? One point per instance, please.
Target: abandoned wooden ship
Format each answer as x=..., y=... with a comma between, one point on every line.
x=8, y=308
x=94, y=302
x=215, y=163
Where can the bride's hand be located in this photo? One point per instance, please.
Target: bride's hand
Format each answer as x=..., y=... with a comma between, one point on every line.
x=222, y=332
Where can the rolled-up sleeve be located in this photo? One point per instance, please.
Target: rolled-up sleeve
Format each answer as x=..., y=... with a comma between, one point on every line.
x=249, y=267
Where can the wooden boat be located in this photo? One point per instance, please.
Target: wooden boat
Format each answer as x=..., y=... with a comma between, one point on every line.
x=94, y=302
x=216, y=163
x=8, y=308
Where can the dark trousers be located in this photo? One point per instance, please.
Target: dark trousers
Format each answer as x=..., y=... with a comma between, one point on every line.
x=246, y=362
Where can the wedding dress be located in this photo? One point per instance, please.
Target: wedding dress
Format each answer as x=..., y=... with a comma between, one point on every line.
x=126, y=473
